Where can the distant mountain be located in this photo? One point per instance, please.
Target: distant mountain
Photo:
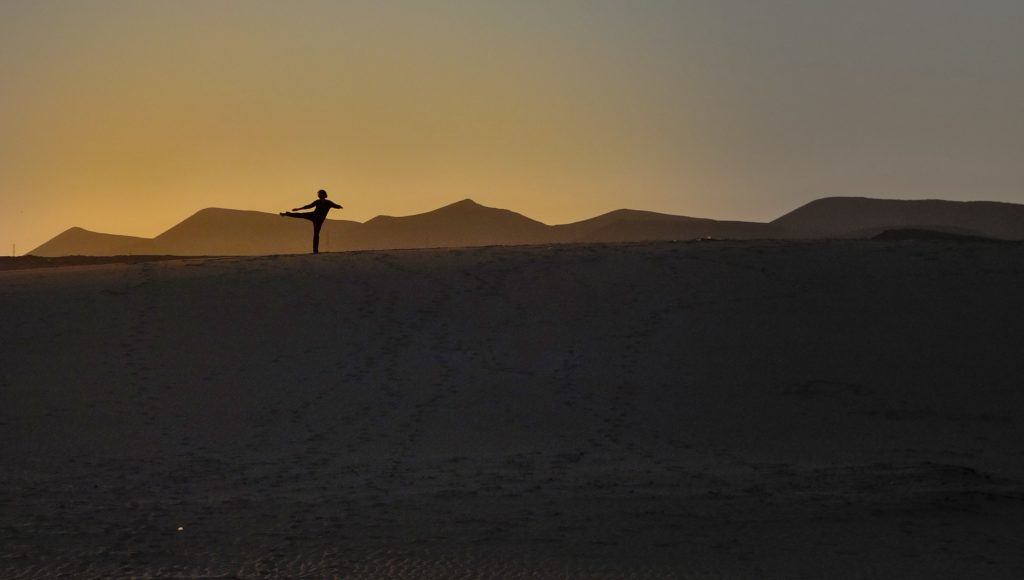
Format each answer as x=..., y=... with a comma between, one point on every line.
x=865, y=217
x=216, y=231
x=81, y=242
x=231, y=232
x=208, y=232
x=627, y=225
x=464, y=223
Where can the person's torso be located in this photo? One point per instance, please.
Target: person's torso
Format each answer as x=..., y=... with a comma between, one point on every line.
x=321, y=207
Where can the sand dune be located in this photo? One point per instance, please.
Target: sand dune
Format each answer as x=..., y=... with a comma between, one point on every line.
x=846, y=409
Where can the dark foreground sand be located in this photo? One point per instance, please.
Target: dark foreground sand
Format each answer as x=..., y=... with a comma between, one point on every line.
x=711, y=410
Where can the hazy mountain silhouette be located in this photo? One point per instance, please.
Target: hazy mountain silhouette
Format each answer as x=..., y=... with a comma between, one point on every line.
x=215, y=231
x=82, y=242
x=209, y=232
x=630, y=225
x=464, y=223
x=864, y=217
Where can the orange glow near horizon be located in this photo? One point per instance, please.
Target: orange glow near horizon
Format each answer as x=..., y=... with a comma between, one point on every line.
x=128, y=117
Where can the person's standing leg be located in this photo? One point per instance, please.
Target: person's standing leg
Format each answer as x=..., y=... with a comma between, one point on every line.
x=316, y=235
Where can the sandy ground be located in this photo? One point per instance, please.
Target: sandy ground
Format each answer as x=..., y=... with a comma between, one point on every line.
x=707, y=410
x=30, y=261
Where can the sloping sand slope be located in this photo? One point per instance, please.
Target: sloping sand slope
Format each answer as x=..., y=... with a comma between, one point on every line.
x=707, y=410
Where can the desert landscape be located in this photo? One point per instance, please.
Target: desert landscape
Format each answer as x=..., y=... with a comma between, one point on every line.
x=703, y=409
x=573, y=290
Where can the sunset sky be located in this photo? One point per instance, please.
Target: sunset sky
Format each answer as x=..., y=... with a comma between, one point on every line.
x=129, y=116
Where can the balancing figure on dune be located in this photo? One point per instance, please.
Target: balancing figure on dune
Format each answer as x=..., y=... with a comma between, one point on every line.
x=320, y=206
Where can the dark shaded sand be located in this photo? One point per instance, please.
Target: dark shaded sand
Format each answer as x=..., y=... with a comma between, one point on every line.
x=908, y=234
x=706, y=410
x=29, y=262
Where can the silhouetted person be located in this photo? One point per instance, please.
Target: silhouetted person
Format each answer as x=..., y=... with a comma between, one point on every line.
x=320, y=208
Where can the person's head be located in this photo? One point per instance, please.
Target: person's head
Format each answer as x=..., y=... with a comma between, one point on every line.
x=321, y=194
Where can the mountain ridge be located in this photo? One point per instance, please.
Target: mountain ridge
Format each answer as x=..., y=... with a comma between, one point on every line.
x=222, y=231
x=864, y=217
x=88, y=242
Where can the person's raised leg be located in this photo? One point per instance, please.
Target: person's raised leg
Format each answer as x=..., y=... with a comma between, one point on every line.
x=293, y=214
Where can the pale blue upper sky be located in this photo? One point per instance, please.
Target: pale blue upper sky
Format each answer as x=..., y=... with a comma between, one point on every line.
x=127, y=116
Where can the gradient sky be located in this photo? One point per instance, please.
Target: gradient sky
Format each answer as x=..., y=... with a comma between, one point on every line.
x=129, y=116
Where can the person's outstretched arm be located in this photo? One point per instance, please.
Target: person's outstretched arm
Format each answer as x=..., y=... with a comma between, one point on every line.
x=334, y=205
x=304, y=207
